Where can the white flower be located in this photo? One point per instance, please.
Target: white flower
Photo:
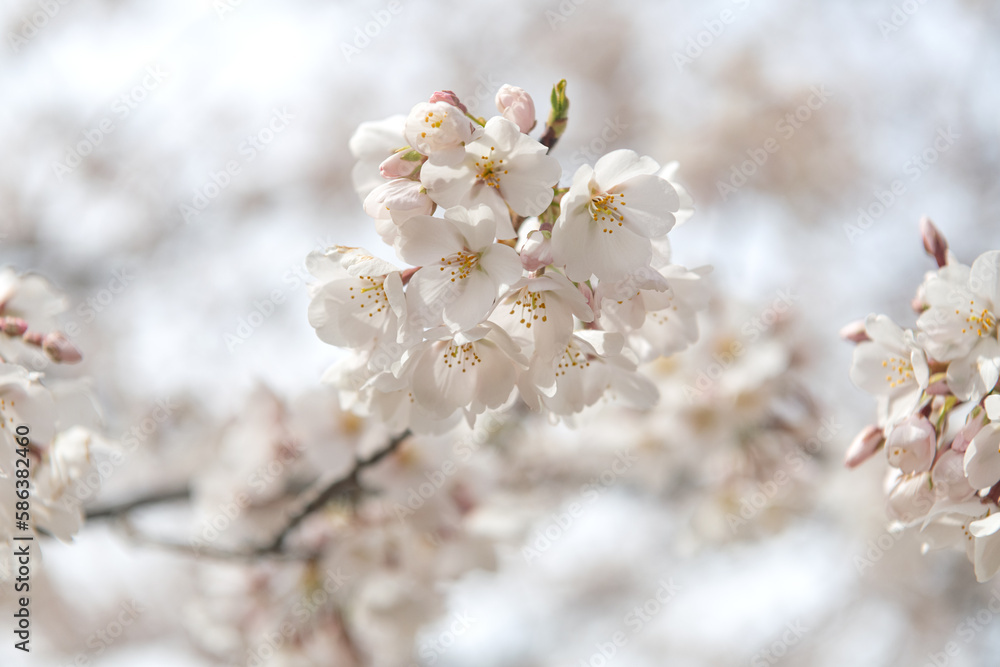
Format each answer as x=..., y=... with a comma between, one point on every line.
x=370, y=144
x=359, y=297
x=609, y=215
x=538, y=314
x=911, y=497
x=986, y=558
x=439, y=131
x=912, y=444
x=891, y=367
x=948, y=476
x=982, y=458
x=501, y=168
x=473, y=371
x=591, y=365
x=658, y=313
x=960, y=325
x=463, y=271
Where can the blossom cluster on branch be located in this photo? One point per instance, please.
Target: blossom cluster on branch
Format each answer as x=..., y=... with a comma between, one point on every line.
x=39, y=418
x=521, y=290
x=939, y=405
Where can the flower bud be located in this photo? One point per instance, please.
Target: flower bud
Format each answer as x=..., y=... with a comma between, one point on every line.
x=516, y=105
x=14, y=326
x=439, y=130
x=448, y=97
x=855, y=332
x=934, y=241
x=536, y=251
x=404, y=163
x=912, y=444
x=59, y=349
x=865, y=444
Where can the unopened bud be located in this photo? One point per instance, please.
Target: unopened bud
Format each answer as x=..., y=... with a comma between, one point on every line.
x=448, y=97
x=59, y=349
x=14, y=326
x=33, y=338
x=865, y=444
x=855, y=332
x=934, y=241
x=401, y=164
x=516, y=105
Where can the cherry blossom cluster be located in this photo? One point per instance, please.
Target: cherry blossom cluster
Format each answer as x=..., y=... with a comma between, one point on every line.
x=514, y=288
x=938, y=405
x=59, y=453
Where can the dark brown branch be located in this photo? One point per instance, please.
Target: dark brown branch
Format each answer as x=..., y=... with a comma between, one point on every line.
x=115, y=511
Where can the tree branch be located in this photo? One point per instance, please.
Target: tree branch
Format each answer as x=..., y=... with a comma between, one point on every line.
x=341, y=486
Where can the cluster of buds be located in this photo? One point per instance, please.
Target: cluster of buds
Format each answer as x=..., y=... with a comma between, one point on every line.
x=520, y=289
x=938, y=405
x=27, y=304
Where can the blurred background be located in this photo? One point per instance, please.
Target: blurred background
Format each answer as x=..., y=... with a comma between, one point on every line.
x=169, y=166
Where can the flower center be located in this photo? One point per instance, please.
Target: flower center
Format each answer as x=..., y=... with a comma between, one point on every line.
x=604, y=208
x=460, y=264
x=573, y=358
x=459, y=355
x=982, y=322
x=530, y=303
x=490, y=170
x=903, y=371
x=372, y=293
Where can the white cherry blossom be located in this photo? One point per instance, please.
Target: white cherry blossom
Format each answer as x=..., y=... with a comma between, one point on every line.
x=891, y=367
x=502, y=168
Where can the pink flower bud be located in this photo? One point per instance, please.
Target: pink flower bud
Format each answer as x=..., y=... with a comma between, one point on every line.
x=912, y=444
x=516, y=105
x=934, y=241
x=855, y=332
x=536, y=251
x=401, y=164
x=14, y=326
x=448, y=97
x=33, y=338
x=865, y=444
x=59, y=349
x=973, y=425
